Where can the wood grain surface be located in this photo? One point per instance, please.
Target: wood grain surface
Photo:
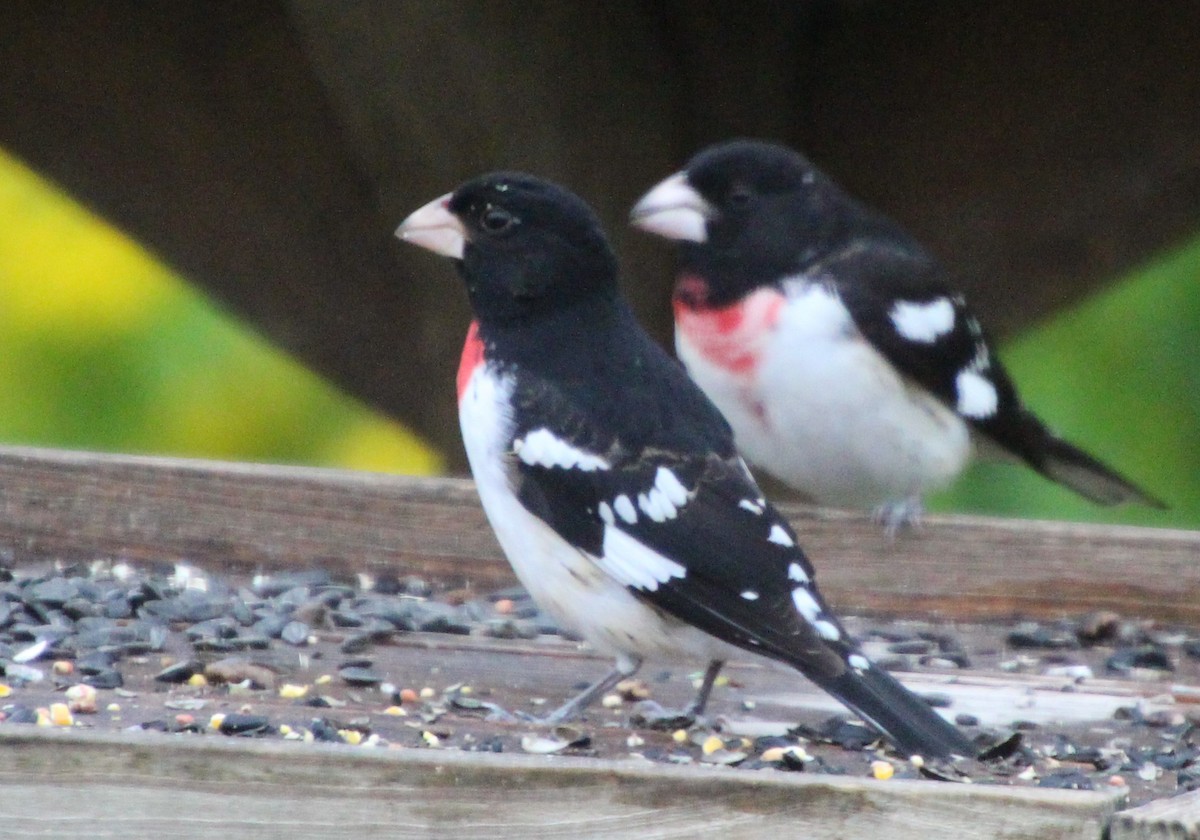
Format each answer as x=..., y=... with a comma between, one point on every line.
x=61, y=505
x=1176, y=818
x=138, y=787
x=58, y=504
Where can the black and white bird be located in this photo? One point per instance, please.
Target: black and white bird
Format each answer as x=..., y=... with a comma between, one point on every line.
x=612, y=482
x=831, y=342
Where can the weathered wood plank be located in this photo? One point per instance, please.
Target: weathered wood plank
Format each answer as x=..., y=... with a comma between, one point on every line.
x=1177, y=818
x=545, y=667
x=141, y=786
x=245, y=516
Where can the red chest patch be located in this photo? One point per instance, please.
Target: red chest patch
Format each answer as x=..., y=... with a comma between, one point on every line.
x=472, y=357
x=731, y=337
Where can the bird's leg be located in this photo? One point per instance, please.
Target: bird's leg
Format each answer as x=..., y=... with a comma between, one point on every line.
x=625, y=667
x=901, y=515
x=696, y=708
x=654, y=716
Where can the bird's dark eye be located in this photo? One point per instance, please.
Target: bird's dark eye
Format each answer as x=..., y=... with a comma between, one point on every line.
x=739, y=196
x=496, y=220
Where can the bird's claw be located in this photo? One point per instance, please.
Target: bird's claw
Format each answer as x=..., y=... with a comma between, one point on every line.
x=497, y=714
x=902, y=515
x=650, y=715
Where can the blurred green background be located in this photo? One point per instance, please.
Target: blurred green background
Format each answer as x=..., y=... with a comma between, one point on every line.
x=102, y=347
x=1120, y=376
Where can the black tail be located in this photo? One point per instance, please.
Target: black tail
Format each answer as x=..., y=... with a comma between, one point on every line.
x=1022, y=434
x=1072, y=467
x=908, y=721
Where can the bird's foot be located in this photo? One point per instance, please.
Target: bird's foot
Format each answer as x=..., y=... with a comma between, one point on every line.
x=648, y=714
x=557, y=717
x=902, y=515
x=574, y=707
x=473, y=706
x=499, y=714
x=494, y=712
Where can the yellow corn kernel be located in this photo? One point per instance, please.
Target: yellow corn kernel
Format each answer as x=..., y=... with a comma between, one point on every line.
x=60, y=715
x=882, y=770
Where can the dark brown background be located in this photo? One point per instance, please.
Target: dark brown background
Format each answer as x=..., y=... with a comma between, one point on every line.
x=267, y=150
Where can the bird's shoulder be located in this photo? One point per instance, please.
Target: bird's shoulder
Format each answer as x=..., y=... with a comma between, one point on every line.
x=901, y=301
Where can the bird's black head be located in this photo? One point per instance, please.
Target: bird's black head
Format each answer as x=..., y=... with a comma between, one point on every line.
x=735, y=175
x=747, y=213
x=524, y=246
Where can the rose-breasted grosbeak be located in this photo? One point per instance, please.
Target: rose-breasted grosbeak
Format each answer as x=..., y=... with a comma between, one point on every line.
x=832, y=344
x=612, y=482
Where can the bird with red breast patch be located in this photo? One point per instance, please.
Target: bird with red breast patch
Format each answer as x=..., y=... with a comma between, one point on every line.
x=612, y=482
x=832, y=343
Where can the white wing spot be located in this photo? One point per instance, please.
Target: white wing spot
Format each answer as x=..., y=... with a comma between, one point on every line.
x=750, y=595
x=977, y=396
x=858, y=661
x=807, y=604
x=649, y=508
x=671, y=487
x=753, y=507
x=982, y=360
x=780, y=537
x=655, y=505
x=606, y=513
x=624, y=508
x=541, y=448
x=826, y=630
x=664, y=503
x=923, y=322
x=633, y=564
x=796, y=573
x=658, y=502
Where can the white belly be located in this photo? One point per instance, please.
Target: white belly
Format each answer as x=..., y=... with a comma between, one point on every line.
x=821, y=409
x=563, y=580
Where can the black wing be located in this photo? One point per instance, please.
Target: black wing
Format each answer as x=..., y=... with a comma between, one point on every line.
x=652, y=510
x=876, y=283
x=690, y=534
x=879, y=284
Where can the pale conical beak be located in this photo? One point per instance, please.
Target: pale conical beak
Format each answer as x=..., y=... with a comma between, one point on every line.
x=436, y=228
x=673, y=209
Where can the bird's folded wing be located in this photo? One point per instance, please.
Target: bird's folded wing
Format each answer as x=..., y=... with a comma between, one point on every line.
x=688, y=533
x=902, y=307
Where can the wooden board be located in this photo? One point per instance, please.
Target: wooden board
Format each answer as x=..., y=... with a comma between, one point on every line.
x=1177, y=818
x=244, y=516
x=239, y=517
x=138, y=786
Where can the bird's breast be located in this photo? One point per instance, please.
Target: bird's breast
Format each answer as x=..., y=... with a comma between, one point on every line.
x=472, y=357
x=730, y=337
